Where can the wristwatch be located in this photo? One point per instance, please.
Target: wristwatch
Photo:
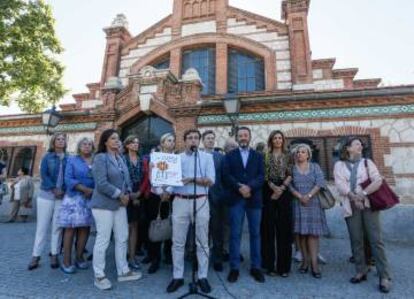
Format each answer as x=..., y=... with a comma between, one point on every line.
x=364, y=192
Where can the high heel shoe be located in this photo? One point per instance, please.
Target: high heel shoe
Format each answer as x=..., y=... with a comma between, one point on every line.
x=359, y=279
x=303, y=269
x=317, y=275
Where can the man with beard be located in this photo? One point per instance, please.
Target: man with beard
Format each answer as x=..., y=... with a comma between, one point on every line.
x=243, y=174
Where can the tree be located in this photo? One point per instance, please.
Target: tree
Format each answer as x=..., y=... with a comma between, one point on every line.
x=30, y=73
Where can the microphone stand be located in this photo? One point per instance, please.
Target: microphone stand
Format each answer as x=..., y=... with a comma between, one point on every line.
x=193, y=286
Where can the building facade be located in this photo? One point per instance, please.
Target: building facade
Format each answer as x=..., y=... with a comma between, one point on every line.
x=148, y=87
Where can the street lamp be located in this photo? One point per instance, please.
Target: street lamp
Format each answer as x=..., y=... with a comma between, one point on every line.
x=51, y=118
x=232, y=106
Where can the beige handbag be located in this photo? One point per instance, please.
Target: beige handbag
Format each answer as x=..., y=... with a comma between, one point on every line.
x=160, y=229
x=326, y=198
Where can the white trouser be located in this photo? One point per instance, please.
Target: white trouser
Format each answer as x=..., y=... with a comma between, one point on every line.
x=107, y=221
x=47, y=211
x=182, y=216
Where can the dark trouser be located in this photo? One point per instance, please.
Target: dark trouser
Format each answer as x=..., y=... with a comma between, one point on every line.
x=219, y=228
x=277, y=226
x=154, y=248
x=237, y=213
x=367, y=222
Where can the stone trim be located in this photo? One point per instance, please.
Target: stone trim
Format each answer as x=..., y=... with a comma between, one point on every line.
x=41, y=129
x=310, y=114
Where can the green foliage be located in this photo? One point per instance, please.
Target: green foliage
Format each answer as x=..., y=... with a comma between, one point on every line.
x=30, y=73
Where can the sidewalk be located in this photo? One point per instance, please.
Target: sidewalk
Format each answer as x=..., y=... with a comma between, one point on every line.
x=16, y=242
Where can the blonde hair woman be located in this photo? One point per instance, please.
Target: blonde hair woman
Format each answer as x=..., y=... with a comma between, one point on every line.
x=309, y=217
x=49, y=199
x=74, y=215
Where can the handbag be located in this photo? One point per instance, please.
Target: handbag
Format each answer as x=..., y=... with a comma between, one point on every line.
x=160, y=229
x=382, y=199
x=326, y=198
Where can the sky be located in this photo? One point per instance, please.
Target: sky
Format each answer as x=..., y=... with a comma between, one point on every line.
x=376, y=36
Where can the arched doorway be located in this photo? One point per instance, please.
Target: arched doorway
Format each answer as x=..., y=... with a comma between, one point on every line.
x=149, y=129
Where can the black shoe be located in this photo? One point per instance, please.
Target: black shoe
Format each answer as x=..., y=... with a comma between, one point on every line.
x=146, y=260
x=54, y=261
x=90, y=257
x=34, y=264
x=284, y=275
x=233, y=276
x=317, y=275
x=154, y=267
x=257, y=275
x=359, y=279
x=218, y=267
x=303, y=269
x=174, y=285
x=204, y=285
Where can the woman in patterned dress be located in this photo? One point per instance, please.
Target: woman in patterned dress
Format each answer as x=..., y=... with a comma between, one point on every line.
x=309, y=217
x=74, y=215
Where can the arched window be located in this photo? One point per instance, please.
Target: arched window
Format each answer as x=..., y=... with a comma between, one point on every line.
x=245, y=72
x=162, y=64
x=204, y=61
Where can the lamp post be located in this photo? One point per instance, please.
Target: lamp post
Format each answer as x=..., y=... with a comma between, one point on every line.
x=232, y=106
x=51, y=118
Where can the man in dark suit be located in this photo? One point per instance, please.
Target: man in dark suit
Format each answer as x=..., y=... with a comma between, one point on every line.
x=243, y=175
x=218, y=206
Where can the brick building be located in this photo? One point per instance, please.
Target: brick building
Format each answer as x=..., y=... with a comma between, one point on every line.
x=148, y=87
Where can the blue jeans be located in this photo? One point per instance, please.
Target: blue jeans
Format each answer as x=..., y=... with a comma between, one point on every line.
x=254, y=216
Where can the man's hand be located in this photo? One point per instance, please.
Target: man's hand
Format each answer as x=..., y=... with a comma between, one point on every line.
x=245, y=191
x=165, y=196
x=187, y=180
x=205, y=182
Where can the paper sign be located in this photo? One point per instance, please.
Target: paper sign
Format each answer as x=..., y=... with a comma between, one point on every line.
x=166, y=170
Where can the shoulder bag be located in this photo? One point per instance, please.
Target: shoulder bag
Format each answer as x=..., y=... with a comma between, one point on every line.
x=161, y=229
x=382, y=199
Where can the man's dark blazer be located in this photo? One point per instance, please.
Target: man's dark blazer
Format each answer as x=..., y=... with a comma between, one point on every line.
x=235, y=174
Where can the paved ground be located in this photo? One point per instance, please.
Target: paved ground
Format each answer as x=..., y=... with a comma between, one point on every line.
x=16, y=282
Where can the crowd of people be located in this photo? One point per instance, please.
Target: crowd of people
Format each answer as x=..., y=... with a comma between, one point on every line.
x=277, y=189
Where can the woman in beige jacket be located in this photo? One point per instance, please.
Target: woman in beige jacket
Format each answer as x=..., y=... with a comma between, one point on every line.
x=22, y=194
x=349, y=173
